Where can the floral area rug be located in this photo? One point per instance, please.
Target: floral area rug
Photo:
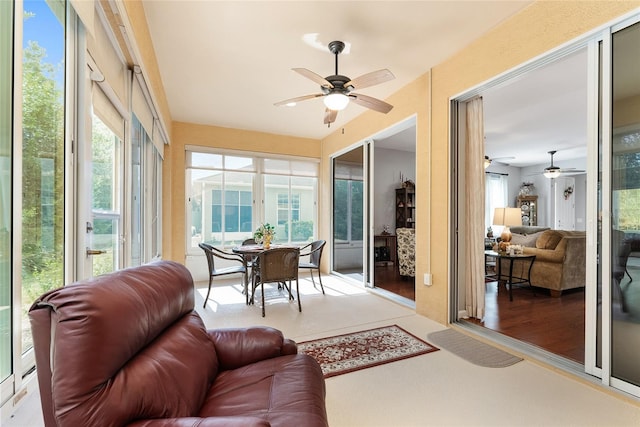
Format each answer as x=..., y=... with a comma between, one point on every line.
x=359, y=350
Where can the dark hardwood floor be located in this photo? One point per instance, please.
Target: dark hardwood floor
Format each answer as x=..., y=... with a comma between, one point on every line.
x=553, y=324
x=388, y=278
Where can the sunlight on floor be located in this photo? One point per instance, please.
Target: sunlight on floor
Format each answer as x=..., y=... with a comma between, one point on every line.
x=230, y=291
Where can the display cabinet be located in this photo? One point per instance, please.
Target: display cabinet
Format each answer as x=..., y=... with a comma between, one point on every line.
x=405, y=207
x=529, y=209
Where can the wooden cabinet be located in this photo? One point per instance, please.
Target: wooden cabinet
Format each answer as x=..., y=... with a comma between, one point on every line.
x=529, y=209
x=385, y=248
x=405, y=207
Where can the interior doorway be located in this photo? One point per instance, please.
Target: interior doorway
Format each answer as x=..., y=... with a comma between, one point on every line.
x=525, y=119
x=394, y=160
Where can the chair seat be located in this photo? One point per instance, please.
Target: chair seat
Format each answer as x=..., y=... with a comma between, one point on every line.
x=307, y=265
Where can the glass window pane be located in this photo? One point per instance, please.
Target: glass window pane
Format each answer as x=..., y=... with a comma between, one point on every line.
x=42, y=155
x=138, y=137
x=625, y=199
x=238, y=163
x=6, y=182
x=206, y=160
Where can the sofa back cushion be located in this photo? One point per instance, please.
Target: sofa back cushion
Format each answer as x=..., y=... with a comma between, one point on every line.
x=528, y=240
x=125, y=346
x=549, y=239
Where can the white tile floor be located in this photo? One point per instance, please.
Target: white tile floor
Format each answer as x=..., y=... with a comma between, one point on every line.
x=436, y=389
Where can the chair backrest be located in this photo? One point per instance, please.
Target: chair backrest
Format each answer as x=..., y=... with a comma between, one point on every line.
x=249, y=242
x=316, y=252
x=208, y=251
x=406, y=251
x=122, y=347
x=278, y=264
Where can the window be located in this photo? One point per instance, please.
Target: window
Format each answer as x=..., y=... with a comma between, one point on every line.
x=220, y=198
x=146, y=165
x=224, y=188
x=348, y=199
x=43, y=118
x=6, y=183
x=496, y=195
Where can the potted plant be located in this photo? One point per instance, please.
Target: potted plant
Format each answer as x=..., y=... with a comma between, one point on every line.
x=264, y=235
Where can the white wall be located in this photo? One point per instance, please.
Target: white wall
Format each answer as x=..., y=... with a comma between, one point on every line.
x=388, y=165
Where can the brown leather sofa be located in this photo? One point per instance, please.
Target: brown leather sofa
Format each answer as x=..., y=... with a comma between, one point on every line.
x=128, y=349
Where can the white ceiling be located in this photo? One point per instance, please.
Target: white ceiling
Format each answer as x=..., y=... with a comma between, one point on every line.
x=225, y=63
x=542, y=110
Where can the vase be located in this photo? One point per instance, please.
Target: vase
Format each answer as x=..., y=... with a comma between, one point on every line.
x=266, y=241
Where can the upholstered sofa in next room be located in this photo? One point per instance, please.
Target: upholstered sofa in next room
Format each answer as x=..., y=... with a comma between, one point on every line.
x=128, y=349
x=560, y=258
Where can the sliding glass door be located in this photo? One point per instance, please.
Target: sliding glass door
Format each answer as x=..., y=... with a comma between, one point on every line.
x=619, y=232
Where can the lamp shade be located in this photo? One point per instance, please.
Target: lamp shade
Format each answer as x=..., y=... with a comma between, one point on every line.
x=336, y=101
x=507, y=217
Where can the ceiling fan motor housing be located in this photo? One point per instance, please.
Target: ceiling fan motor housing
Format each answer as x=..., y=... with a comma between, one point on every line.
x=338, y=83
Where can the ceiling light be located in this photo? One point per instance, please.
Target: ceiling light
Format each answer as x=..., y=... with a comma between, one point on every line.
x=336, y=101
x=552, y=173
x=290, y=104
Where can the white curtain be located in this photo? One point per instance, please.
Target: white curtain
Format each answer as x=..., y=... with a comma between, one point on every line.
x=474, y=209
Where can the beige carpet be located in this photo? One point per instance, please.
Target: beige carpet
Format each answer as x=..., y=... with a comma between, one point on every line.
x=472, y=350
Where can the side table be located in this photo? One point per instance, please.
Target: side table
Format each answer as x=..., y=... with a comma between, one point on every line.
x=389, y=241
x=511, y=279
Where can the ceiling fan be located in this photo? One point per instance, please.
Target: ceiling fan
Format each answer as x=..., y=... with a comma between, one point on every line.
x=552, y=171
x=488, y=160
x=337, y=89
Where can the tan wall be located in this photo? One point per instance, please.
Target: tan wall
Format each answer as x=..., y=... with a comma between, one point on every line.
x=217, y=137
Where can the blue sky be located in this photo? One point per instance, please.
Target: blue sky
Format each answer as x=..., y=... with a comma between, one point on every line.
x=45, y=29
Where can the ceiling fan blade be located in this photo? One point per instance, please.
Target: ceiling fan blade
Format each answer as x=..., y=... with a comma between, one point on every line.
x=371, y=79
x=371, y=103
x=298, y=99
x=313, y=77
x=571, y=170
x=330, y=116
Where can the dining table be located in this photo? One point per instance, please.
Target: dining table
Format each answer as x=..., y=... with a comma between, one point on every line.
x=250, y=254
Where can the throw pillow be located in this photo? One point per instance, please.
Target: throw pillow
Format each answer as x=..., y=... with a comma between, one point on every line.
x=525, y=240
x=549, y=239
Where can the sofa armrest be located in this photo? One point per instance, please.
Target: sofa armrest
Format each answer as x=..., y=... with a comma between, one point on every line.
x=202, y=422
x=241, y=346
x=547, y=255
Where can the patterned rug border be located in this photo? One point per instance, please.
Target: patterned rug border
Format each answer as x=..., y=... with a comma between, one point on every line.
x=430, y=348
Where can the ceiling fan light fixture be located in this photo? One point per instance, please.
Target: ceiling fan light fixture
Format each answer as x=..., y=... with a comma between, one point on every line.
x=336, y=101
x=290, y=104
x=551, y=173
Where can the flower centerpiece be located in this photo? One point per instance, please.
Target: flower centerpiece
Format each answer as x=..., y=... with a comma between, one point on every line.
x=264, y=234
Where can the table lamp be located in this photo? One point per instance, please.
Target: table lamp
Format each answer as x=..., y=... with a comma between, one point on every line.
x=507, y=217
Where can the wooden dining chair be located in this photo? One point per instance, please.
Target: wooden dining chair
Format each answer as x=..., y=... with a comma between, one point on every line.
x=314, y=251
x=212, y=253
x=277, y=265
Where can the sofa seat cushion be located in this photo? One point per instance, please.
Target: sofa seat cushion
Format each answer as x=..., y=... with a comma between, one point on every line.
x=276, y=390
